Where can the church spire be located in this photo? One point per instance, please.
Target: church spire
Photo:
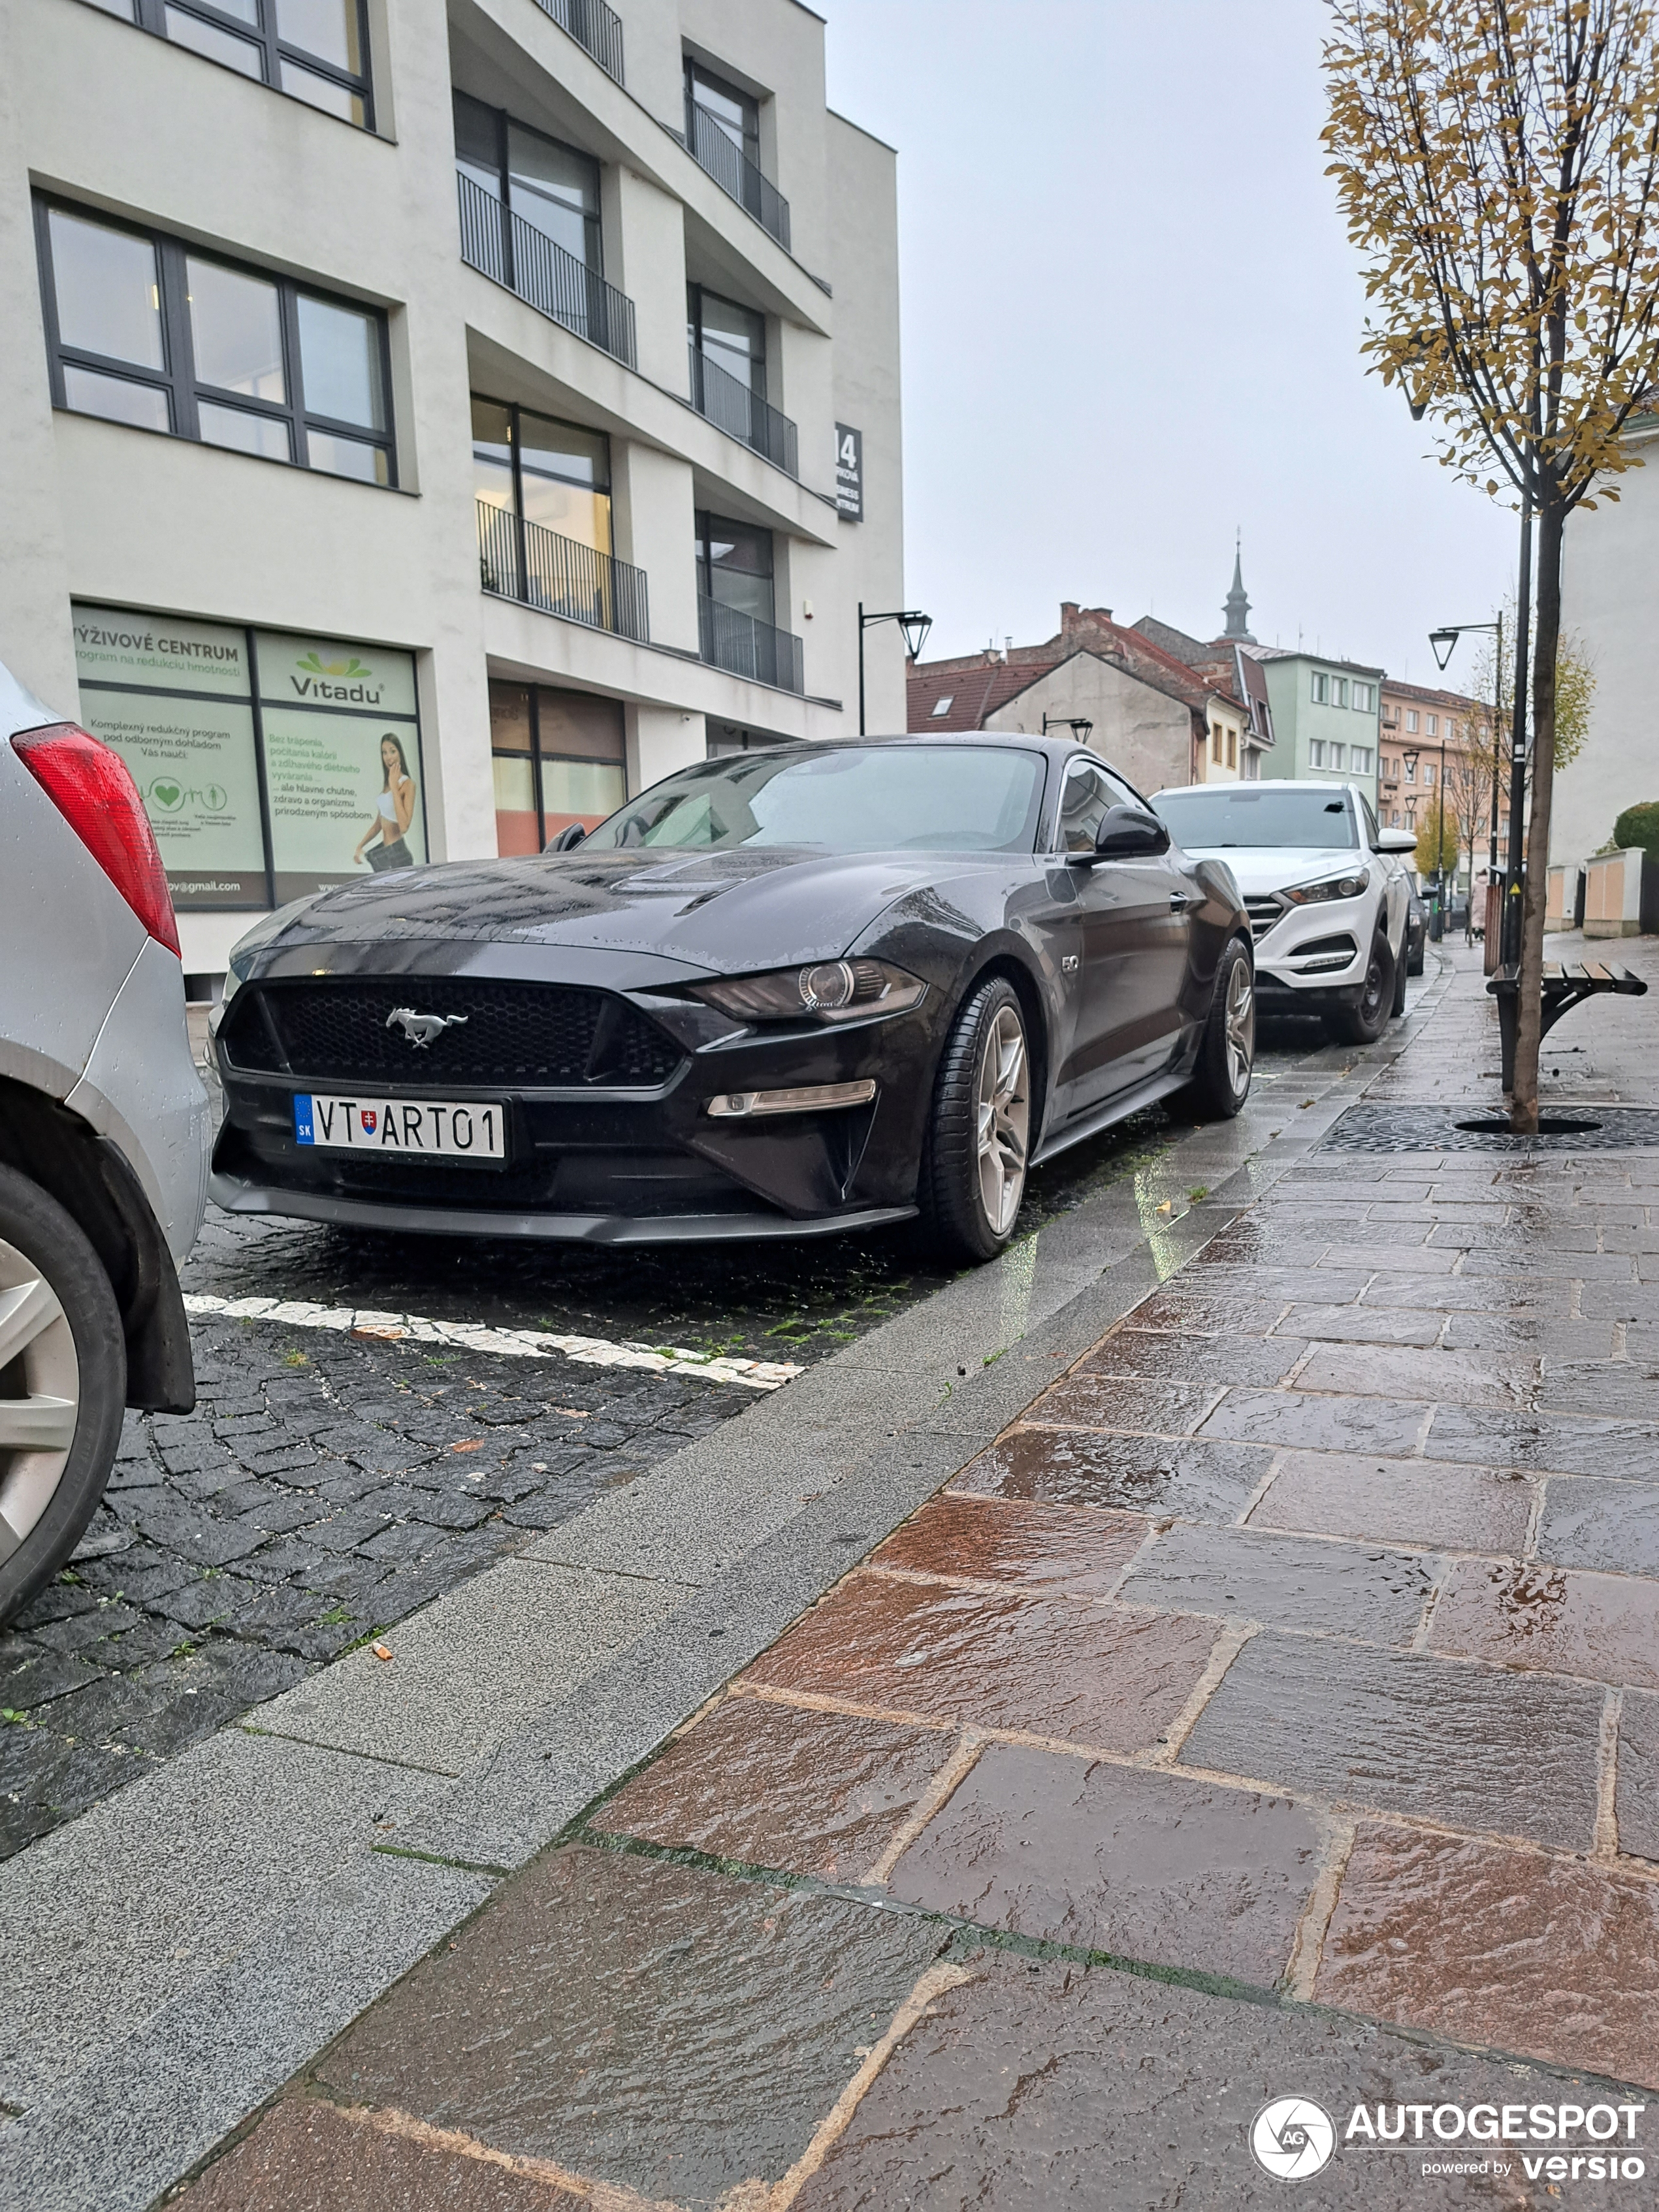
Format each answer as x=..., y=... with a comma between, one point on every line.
x=1237, y=608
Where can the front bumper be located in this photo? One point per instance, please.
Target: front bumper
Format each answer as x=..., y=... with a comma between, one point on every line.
x=607, y=1161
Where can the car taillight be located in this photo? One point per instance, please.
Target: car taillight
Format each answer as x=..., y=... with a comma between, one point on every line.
x=90, y=785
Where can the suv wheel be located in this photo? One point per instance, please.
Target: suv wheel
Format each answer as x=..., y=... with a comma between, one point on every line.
x=1364, y=1023
x=973, y=1169
x=62, y=1385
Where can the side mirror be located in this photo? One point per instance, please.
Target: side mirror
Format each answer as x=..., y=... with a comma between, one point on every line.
x=1129, y=833
x=1396, y=840
x=568, y=838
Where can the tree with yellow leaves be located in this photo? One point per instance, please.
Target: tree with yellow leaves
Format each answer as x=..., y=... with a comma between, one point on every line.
x=1498, y=165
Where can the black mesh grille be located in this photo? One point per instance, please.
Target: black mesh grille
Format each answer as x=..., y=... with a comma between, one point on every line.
x=509, y=1034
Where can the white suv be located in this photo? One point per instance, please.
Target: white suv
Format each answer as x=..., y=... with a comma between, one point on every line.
x=1327, y=892
x=103, y=1133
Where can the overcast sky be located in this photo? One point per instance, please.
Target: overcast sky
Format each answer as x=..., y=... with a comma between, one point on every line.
x=1131, y=324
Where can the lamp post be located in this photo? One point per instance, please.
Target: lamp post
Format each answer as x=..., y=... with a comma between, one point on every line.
x=915, y=627
x=1444, y=644
x=1079, y=725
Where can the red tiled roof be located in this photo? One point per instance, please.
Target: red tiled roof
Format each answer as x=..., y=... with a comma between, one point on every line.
x=974, y=688
x=976, y=684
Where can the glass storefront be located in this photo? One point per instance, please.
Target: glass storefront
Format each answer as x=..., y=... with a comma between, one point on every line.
x=559, y=757
x=270, y=765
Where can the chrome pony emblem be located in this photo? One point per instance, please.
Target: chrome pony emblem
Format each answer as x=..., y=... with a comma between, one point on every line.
x=421, y=1029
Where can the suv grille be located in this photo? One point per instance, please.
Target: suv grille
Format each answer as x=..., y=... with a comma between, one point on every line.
x=512, y=1034
x=1264, y=913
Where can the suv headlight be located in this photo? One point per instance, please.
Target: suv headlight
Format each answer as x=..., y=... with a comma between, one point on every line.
x=824, y=991
x=1332, y=887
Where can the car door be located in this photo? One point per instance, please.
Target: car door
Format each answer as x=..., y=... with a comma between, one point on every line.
x=1134, y=945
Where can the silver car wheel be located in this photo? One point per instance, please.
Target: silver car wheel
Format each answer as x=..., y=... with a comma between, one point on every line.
x=40, y=1395
x=1239, y=1026
x=1003, y=1096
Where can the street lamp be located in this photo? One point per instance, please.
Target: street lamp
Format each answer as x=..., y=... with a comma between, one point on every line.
x=1079, y=725
x=1444, y=644
x=915, y=627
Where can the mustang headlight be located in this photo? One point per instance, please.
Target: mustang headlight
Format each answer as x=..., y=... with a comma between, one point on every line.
x=826, y=991
x=1333, y=887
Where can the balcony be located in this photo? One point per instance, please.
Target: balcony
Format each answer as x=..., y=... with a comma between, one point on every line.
x=524, y=561
x=726, y=402
x=735, y=173
x=503, y=246
x=744, y=647
x=592, y=25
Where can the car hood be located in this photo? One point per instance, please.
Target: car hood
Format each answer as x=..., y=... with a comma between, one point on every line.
x=729, y=913
x=1260, y=869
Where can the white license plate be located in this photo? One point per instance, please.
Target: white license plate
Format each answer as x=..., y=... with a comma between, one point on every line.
x=426, y=1128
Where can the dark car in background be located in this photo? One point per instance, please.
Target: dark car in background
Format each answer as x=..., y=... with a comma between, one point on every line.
x=783, y=992
x=1416, y=931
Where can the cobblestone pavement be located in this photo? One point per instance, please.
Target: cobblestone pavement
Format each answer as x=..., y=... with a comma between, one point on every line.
x=1271, y=1710
x=328, y=1485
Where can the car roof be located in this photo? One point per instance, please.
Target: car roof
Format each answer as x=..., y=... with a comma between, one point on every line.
x=1262, y=783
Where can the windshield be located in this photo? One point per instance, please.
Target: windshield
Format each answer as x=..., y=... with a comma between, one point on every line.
x=877, y=798
x=1200, y=820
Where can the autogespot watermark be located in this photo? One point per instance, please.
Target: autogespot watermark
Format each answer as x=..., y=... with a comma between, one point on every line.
x=1293, y=2137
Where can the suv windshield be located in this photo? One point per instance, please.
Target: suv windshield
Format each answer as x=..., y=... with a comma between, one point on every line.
x=842, y=799
x=1201, y=821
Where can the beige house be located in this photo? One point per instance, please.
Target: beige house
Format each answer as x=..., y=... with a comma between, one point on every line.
x=1158, y=720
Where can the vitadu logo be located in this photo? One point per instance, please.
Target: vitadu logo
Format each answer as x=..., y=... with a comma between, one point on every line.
x=1292, y=2138
x=350, y=681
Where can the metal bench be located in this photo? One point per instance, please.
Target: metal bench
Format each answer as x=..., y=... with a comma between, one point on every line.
x=1565, y=985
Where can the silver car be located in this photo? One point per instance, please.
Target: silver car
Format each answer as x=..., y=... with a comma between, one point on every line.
x=103, y=1133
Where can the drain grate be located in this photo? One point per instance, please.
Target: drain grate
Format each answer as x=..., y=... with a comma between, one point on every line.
x=1405, y=1128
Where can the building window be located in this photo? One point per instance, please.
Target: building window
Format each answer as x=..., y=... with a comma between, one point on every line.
x=553, y=187
x=1321, y=688
x=556, y=476
x=941, y=706
x=1215, y=743
x=1232, y=748
x=558, y=757
x=1339, y=756
x=1391, y=717
x=144, y=330
x=1428, y=771
x=1316, y=752
x=1411, y=720
x=1434, y=726
x=1362, y=760
x=734, y=566
x=1363, y=698
x=1341, y=698
x=318, y=49
x=712, y=103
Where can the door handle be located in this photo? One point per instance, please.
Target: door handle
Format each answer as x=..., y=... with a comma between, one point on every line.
x=1179, y=899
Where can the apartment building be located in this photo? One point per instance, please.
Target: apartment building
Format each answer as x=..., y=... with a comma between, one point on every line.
x=1433, y=750
x=1325, y=717
x=499, y=396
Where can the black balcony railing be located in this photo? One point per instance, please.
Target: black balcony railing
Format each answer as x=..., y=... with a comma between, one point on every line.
x=744, y=647
x=734, y=172
x=501, y=244
x=728, y=403
x=592, y=25
x=519, y=560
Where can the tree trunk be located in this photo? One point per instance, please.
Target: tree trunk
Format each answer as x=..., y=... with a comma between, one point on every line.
x=1523, y=1099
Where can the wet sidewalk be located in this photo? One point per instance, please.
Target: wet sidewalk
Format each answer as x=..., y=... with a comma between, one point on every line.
x=1271, y=1711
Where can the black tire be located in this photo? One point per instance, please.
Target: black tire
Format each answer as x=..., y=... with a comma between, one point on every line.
x=951, y=1187
x=1223, y=1073
x=1366, y=1023
x=1398, y=1007
x=1414, y=964
x=80, y=1340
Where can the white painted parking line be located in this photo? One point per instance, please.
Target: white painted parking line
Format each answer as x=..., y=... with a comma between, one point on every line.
x=516, y=1343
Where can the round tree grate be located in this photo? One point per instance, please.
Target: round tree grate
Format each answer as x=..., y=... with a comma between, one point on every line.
x=1374, y=1127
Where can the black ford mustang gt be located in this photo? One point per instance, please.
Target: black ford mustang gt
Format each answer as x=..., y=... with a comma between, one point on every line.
x=779, y=994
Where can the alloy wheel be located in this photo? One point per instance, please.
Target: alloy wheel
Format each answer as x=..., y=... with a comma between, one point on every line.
x=1238, y=1020
x=1003, y=1103
x=40, y=1395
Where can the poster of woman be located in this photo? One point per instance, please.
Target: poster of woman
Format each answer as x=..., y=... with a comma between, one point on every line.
x=384, y=842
